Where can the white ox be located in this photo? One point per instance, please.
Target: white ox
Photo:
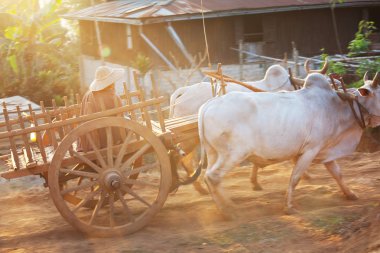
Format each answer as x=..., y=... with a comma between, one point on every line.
x=311, y=124
x=187, y=101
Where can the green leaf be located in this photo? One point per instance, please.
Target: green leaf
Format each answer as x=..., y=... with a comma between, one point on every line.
x=13, y=62
x=11, y=32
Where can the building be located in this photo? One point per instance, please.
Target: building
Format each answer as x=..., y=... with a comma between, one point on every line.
x=170, y=32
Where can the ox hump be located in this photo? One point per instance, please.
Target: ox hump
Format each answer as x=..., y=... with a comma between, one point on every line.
x=275, y=77
x=317, y=80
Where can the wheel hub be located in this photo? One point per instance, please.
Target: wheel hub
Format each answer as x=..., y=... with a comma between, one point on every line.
x=112, y=180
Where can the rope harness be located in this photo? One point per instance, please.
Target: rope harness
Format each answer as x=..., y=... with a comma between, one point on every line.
x=348, y=98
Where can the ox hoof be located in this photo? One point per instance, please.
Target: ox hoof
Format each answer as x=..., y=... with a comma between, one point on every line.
x=257, y=187
x=199, y=188
x=352, y=196
x=290, y=210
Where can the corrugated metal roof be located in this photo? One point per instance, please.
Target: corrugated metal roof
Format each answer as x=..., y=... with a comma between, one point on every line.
x=153, y=11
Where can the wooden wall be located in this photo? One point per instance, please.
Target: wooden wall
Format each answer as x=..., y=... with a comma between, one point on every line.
x=311, y=30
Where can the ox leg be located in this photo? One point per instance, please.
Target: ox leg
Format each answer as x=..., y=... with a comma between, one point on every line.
x=188, y=162
x=306, y=175
x=334, y=170
x=213, y=178
x=301, y=166
x=256, y=185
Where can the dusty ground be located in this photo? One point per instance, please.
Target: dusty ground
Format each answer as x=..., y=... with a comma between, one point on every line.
x=327, y=222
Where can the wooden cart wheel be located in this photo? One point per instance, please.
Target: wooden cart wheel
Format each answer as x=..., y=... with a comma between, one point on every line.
x=124, y=203
x=76, y=181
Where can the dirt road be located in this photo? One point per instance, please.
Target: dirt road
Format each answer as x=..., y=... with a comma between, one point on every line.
x=327, y=222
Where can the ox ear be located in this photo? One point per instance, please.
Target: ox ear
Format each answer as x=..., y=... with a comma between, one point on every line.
x=364, y=92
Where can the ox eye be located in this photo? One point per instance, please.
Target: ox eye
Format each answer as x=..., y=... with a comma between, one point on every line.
x=364, y=92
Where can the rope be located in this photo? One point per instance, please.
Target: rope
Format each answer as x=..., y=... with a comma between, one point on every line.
x=98, y=37
x=205, y=35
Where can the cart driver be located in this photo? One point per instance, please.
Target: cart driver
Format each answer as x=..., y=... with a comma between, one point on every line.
x=101, y=96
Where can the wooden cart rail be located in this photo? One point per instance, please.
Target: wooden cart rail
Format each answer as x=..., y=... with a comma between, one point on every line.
x=57, y=122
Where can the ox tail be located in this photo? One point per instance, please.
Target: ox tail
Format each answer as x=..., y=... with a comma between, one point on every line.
x=176, y=94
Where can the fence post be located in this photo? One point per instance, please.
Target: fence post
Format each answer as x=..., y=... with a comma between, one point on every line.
x=241, y=59
x=295, y=58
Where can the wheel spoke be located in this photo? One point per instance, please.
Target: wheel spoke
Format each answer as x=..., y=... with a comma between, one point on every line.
x=96, y=150
x=88, y=162
x=80, y=179
x=141, y=169
x=97, y=207
x=133, y=194
x=123, y=148
x=136, y=155
x=79, y=187
x=125, y=206
x=109, y=147
x=85, y=200
x=80, y=173
x=138, y=182
x=111, y=206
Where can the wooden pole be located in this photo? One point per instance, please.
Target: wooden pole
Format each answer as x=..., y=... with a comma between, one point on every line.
x=11, y=141
x=158, y=107
x=24, y=137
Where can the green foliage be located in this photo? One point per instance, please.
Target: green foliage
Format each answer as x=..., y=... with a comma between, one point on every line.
x=372, y=66
x=37, y=58
x=142, y=63
x=361, y=42
x=334, y=67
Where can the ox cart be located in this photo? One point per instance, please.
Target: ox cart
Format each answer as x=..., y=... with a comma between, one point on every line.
x=105, y=190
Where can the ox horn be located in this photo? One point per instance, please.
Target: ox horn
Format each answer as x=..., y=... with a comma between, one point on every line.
x=346, y=96
x=297, y=81
x=376, y=80
x=323, y=70
x=365, y=77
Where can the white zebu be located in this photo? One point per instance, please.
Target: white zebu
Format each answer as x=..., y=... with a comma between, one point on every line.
x=311, y=124
x=187, y=101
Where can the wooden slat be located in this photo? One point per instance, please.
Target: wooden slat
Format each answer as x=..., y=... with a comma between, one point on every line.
x=160, y=115
x=52, y=113
x=48, y=120
x=129, y=101
x=31, y=163
x=66, y=128
x=58, y=118
x=24, y=137
x=144, y=111
x=39, y=139
x=130, y=94
x=190, y=118
x=184, y=128
x=17, y=132
x=11, y=141
x=122, y=132
x=25, y=172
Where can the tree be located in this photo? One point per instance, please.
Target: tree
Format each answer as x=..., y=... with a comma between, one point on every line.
x=37, y=58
